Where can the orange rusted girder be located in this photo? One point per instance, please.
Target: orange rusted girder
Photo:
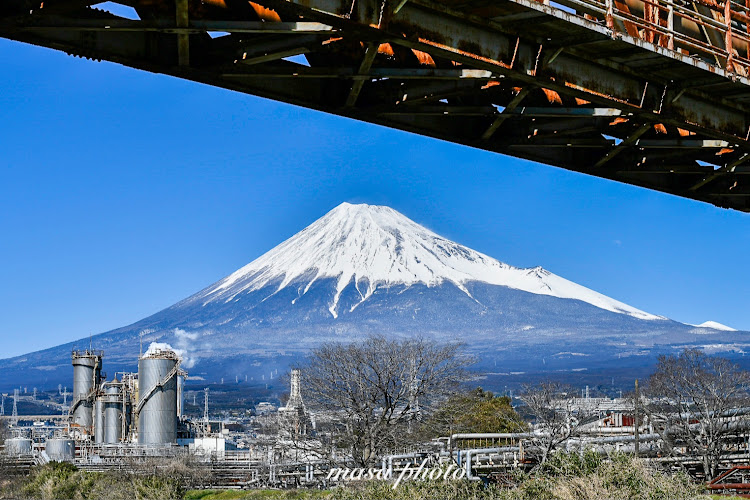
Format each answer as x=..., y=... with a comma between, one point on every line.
x=638, y=99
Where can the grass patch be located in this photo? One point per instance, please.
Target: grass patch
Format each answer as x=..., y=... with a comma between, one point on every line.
x=566, y=476
x=300, y=494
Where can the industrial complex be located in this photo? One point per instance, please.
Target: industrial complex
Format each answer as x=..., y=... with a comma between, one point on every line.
x=136, y=417
x=132, y=418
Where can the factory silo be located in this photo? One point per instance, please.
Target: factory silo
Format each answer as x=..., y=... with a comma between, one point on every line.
x=87, y=366
x=157, y=404
x=61, y=449
x=18, y=446
x=113, y=412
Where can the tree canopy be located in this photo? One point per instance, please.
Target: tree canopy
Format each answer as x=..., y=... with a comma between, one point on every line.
x=473, y=411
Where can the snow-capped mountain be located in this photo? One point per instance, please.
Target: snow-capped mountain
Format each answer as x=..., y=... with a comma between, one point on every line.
x=714, y=325
x=371, y=246
x=363, y=269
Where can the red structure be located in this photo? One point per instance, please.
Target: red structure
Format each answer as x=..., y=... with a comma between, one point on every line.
x=735, y=481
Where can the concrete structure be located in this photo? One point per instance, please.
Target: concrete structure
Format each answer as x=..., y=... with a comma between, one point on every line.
x=295, y=390
x=205, y=445
x=157, y=405
x=293, y=418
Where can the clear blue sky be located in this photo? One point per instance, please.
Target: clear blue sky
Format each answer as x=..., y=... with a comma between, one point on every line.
x=122, y=192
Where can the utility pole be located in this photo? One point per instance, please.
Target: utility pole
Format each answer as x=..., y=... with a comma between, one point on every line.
x=636, y=423
x=205, y=410
x=2, y=405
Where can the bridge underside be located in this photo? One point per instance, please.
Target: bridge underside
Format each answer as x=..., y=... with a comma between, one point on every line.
x=654, y=94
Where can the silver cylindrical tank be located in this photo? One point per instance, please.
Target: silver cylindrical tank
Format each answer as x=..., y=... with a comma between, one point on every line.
x=18, y=446
x=128, y=418
x=86, y=375
x=180, y=394
x=61, y=449
x=113, y=412
x=98, y=421
x=157, y=419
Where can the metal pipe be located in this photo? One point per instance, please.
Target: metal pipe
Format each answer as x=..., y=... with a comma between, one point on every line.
x=617, y=439
x=484, y=451
x=624, y=430
x=491, y=435
x=389, y=460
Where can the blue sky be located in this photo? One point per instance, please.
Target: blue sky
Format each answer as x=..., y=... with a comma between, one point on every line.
x=122, y=192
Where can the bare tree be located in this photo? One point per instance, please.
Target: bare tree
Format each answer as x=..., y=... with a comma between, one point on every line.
x=557, y=418
x=698, y=402
x=380, y=387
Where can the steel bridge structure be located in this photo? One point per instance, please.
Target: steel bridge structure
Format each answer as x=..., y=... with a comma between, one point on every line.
x=654, y=93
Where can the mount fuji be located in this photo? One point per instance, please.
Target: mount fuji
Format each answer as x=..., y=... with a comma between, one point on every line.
x=364, y=269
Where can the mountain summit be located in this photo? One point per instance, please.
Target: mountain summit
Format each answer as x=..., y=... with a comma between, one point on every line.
x=364, y=269
x=369, y=246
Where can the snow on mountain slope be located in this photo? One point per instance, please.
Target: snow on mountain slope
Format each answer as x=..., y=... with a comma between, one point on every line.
x=715, y=326
x=372, y=246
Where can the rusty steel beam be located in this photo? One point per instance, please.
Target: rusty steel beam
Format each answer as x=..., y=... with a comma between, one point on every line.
x=194, y=26
x=512, y=105
x=364, y=69
x=631, y=139
x=374, y=73
x=273, y=48
x=574, y=93
x=183, y=39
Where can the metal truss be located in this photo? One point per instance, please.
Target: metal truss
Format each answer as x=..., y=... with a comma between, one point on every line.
x=651, y=93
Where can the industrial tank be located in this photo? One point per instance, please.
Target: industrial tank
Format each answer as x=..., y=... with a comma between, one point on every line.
x=180, y=394
x=98, y=421
x=157, y=405
x=61, y=449
x=113, y=412
x=87, y=367
x=18, y=446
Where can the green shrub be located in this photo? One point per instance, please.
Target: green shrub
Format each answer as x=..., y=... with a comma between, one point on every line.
x=564, y=464
x=59, y=480
x=62, y=481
